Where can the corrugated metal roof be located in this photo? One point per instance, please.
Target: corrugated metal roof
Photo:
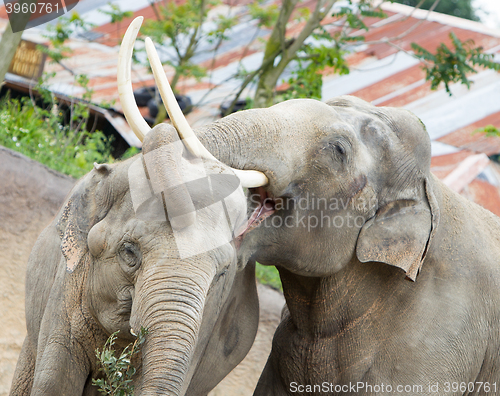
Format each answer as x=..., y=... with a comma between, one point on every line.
x=467, y=138
x=484, y=194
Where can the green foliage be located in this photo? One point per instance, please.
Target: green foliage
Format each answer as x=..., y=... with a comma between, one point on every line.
x=40, y=134
x=266, y=16
x=116, y=14
x=118, y=370
x=268, y=275
x=43, y=134
x=223, y=23
x=448, y=66
x=311, y=56
x=55, y=133
x=129, y=153
x=489, y=131
x=180, y=24
x=458, y=8
x=58, y=33
x=354, y=15
x=307, y=80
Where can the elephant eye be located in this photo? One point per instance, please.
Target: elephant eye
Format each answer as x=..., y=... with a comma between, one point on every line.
x=337, y=148
x=130, y=254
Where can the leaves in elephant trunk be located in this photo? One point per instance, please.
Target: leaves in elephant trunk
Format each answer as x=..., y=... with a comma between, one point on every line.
x=118, y=371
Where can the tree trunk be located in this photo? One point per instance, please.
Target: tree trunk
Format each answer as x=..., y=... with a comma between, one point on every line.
x=264, y=95
x=279, y=46
x=8, y=47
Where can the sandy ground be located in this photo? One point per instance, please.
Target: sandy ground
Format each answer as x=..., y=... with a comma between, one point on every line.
x=30, y=196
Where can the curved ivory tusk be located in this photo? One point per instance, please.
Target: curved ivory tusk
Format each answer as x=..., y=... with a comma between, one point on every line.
x=248, y=178
x=125, y=91
x=174, y=111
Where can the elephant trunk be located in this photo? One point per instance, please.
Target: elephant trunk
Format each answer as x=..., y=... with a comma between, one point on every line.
x=239, y=140
x=170, y=306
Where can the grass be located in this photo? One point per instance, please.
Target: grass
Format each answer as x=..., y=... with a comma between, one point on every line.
x=268, y=275
x=39, y=134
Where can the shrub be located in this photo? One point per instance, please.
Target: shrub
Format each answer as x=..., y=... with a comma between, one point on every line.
x=40, y=134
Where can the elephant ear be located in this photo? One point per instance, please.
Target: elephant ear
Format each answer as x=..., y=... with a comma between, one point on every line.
x=400, y=233
x=79, y=213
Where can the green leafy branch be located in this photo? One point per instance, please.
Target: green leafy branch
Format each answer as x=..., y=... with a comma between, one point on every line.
x=489, y=131
x=307, y=80
x=118, y=371
x=58, y=33
x=453, y=65
x=117, y=16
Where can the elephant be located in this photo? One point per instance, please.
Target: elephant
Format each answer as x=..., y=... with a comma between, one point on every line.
x=102, y=266
x=145, y=243
x=391, y=279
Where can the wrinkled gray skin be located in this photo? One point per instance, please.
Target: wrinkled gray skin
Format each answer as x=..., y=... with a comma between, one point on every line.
x=201, y=312
x=354, y=312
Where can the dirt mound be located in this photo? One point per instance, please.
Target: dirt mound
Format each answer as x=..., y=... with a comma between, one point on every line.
x=30, y=196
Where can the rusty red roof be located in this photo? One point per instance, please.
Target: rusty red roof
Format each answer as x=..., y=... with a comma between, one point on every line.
x=469, y=138
x=484, y=194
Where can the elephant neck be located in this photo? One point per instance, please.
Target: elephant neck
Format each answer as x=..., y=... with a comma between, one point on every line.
x=324, y=307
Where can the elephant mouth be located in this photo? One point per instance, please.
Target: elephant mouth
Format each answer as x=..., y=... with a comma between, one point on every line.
x=265, y=206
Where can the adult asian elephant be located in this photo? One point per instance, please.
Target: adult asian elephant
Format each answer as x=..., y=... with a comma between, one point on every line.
x=148, y=242
x=392, y=280
x=107, y=264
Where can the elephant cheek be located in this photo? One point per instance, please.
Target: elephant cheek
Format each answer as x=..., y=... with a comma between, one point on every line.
x=109, y=295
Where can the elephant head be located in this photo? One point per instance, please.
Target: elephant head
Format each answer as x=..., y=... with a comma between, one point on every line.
x=346, y=180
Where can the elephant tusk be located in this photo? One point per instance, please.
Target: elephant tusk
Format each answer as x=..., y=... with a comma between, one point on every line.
x=248, y=178
x=125, y=91
x=170, y=102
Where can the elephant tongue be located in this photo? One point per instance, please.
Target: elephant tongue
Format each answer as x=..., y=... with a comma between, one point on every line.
x=264, y=209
